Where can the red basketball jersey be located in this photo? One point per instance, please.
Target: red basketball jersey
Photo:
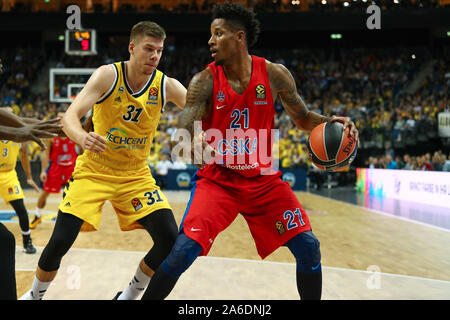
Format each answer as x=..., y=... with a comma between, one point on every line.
x=241, y=126
x=63, y=152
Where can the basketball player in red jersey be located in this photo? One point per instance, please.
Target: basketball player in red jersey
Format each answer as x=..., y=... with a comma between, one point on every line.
x=61, y=154
x=234, y=96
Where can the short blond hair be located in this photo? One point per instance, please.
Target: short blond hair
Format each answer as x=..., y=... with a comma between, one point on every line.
x=147, y=28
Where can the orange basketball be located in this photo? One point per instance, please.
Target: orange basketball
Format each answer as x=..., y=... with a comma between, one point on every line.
x=331, y=148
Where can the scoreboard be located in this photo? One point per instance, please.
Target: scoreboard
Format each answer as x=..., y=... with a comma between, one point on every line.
x=81, y=42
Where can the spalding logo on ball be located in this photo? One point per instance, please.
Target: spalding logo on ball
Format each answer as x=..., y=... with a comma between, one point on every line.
x=330, y=147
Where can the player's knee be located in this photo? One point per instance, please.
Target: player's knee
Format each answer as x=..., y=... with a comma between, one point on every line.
x=306, y=249
x=163, y=229
x=182, y=255
x=53, y=253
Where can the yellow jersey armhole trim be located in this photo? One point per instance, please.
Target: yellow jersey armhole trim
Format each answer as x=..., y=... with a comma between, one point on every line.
x=111, y=90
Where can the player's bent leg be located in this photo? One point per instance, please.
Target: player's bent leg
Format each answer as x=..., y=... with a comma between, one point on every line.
x=180, y=258
x=64, y=234
x=41, y=202
x=162, y=227
x=306, y=249
x=22, y=213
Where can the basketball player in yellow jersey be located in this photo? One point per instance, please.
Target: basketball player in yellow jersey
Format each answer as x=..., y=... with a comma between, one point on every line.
x=10, y=189
x=128, y=98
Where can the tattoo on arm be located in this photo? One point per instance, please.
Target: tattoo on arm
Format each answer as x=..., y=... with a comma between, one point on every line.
x=284, y=84
x=198, y=100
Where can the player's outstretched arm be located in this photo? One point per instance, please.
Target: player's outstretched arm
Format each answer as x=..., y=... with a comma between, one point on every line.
x=13, y=128
x=25, y=162
x=175, y=92
x=45, y=160
x=99, y=83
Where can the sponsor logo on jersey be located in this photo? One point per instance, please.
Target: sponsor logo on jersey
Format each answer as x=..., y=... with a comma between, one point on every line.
x=237, y=146
x=119, y=139
x=260, y=102
x=260, y=91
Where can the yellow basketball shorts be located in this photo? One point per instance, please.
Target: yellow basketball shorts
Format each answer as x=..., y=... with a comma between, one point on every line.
x=10, y=186
x=133, y=195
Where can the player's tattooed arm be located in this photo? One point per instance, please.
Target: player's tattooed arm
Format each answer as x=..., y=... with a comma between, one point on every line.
x=198, y=100
x=283, y=86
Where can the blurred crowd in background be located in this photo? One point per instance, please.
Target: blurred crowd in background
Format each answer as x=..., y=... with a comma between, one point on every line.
x=368, y=85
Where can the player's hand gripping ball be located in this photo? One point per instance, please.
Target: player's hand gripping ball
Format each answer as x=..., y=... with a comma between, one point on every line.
x=330, y=147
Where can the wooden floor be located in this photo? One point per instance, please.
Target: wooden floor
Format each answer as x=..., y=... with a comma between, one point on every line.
x=365, y=255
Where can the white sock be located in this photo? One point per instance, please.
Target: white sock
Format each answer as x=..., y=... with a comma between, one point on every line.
x=137, y=286
x=39, y=288
x=38, y=212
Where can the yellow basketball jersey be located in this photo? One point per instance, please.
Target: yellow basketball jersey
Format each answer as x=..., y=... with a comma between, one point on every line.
x=128, y=120
x=9, y=151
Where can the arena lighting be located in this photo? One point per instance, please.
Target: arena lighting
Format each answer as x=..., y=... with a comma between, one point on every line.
x=324, y=2
x=448, y=33
x=336, y=36
x=396, y=1
x=413, y=56
x=346, y=4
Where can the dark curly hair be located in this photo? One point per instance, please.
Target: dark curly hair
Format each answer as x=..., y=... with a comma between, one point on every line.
x=239, y=17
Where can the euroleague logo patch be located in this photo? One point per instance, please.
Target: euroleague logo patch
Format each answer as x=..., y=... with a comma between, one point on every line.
x=260, y=91
x=136, y=203
x=153, y=93
x=280, y=227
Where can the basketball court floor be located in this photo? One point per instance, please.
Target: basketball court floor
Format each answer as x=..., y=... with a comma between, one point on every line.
x=371, y=249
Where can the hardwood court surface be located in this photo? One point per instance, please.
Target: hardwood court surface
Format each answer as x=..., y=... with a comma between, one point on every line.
x=365, y=255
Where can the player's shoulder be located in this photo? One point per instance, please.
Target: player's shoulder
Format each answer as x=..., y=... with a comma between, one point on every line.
x=204, y=79
x=104, y=76
x=106, y=70
x=275, y=69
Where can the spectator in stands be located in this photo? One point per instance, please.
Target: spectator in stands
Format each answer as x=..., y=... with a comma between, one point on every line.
x=446, y=166
x=424, y=164
x=408, y=162
x=162, y=169
x=390, y=163
x=436, y=161
x=178, y=164
x=400, y=163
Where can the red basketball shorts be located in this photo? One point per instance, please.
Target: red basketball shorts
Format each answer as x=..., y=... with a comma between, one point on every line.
x=57, y=176
x=268, y=204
